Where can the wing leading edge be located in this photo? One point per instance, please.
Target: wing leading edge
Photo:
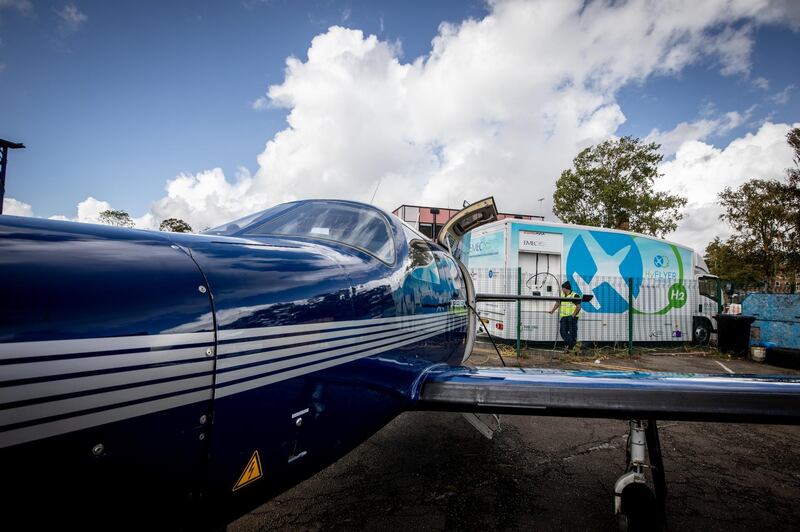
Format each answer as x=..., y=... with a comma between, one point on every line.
x=613, y=394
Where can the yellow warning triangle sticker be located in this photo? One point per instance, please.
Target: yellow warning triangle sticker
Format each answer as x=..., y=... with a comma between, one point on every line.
x=251, y=473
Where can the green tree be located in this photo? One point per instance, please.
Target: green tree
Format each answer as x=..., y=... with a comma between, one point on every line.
x=726, y=260
x=611, y=185
x=760, y=219
x=765, y=215
x=175, y=225
x=791, y=199
x=793, y=137
x=117, y=218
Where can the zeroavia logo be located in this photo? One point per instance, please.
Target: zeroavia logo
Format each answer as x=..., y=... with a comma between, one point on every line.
x=598, y=263
x=603, y=264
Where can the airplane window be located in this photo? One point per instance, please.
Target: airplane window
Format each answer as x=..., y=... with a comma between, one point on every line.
x=422, y=265
x=450, y=272
x=411, y=233
x=360, y=227
x=231, y=228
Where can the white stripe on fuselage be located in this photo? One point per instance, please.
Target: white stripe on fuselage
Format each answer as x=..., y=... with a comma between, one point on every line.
x=237, y=334
x=270, y=379
x=13, y=350
x=72, y=424
x=228, y=376
x=324, y=341
x=337, y=345
x=25, y=392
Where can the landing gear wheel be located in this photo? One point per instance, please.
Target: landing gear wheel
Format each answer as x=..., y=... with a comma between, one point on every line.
x=639, y=511
x=636, y=506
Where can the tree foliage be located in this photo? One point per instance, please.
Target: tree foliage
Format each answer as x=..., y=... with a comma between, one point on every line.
x=791, y=197
x=611, y=185
x=175, y=225
x=732, y=263
x=757, y=214
x=117, y=218
x=765, y=217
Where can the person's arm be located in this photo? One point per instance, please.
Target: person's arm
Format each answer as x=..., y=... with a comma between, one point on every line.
x=554, y=307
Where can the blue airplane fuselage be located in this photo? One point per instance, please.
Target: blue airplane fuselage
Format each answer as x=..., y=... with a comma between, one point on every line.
x=142, y=372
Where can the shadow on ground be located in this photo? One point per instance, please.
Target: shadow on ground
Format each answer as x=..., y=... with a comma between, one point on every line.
x=433, y=471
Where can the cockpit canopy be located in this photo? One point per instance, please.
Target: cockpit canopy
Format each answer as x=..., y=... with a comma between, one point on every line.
x=357, y=225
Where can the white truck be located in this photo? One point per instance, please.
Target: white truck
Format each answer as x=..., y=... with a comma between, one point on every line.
x=666, y=286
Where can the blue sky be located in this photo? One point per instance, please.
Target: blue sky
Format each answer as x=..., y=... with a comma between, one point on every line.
x=664, y=101
x=141, y=92
x=115, y=99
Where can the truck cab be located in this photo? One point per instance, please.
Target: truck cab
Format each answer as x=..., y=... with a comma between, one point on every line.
x=711, y=297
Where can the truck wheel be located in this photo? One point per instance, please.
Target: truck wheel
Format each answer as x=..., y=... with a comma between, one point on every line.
x=701, y=332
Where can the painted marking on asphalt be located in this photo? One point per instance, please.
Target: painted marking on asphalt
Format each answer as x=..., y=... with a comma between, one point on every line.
x=726, y=368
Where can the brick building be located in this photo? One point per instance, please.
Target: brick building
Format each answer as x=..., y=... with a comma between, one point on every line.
x=429, y=220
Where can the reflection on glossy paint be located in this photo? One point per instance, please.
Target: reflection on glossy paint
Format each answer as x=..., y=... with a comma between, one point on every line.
x=63, y=280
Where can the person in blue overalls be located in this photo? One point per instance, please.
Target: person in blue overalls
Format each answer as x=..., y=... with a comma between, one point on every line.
x=568, y=316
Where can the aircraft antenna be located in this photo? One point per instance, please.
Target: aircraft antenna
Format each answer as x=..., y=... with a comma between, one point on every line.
x=376, y=191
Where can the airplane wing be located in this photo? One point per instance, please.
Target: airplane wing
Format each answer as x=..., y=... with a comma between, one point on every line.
x=612, y=394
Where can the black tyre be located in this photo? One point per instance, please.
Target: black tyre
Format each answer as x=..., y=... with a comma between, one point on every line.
x=639, y=512
x=701, y=331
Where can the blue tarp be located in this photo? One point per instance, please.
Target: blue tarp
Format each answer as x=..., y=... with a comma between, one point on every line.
x=777, y=319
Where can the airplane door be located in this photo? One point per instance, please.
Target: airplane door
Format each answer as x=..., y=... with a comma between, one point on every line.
x=471, y=217
x=278, y=390
x=454, y=296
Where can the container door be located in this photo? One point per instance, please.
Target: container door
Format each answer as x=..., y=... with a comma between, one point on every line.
x=540, y=277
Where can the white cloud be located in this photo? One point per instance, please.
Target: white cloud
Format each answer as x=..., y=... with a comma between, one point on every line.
x=206, y=199
x=783, y=96
x=147, y=221
x=499, y=106
x=16, y=207
x=261, y=104
x=698, y=130
x=89, y=210
x=23, y=6
x=700, y=171
x=734, y=47
x=785, y=11
x=71, y=19
x=761, y=83
x=494, y=108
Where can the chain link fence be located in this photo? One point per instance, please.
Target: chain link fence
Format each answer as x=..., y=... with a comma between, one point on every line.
x=624, y=311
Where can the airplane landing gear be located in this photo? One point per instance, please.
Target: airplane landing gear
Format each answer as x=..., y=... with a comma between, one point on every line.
x=635, y=505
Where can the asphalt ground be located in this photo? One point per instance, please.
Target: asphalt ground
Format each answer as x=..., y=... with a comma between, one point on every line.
x=434, y=471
